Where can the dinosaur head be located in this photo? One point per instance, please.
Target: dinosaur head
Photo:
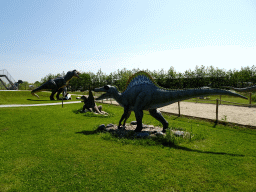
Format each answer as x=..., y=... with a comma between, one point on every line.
x=20, y=82
x=71, y=74
x=84, y=98
x=76, y=73
x=110, y=90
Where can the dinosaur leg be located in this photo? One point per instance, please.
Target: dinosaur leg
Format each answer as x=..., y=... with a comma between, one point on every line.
x=100, y=108
x=158, y=116
x=96, y=109
x=127, y=117
x=141, y=101
x=139, y=116
x=85, y=107
x=52, y=95
x=58, y=94
x=126, y=111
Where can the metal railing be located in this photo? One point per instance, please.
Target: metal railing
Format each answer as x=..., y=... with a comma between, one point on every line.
x=6, y=79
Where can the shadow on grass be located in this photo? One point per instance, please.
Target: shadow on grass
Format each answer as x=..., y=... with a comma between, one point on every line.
x=88, y=132
x=129, y=137
x=91, y=114
x=206, y=152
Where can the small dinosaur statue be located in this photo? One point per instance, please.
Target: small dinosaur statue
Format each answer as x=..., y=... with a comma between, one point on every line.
x=142, y=93
x=56, y=85
x=89, y=104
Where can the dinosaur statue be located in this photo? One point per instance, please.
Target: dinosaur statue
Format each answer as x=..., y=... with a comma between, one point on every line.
x=246, y=89
x=15, y=86
x=142, y=93
x=57, y=85
x=90, y=105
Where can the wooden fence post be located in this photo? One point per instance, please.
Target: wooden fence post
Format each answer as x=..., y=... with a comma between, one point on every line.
x=217, y=109
x=62, y=97
x=179, y=107
x=220, y=100
x=250, y=102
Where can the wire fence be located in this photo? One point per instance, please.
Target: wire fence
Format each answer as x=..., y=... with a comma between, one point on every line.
x=6, y=80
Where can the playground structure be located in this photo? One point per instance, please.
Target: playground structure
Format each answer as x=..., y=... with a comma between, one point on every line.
x=7, y=82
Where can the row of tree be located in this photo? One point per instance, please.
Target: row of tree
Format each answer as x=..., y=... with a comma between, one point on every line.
x=200, y=76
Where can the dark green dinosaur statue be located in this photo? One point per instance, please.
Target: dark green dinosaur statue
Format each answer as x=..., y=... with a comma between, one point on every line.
x=90, y=105
x=57, y=85
x=142, y=93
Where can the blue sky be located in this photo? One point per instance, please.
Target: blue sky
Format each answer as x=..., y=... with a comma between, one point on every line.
x=42, y=37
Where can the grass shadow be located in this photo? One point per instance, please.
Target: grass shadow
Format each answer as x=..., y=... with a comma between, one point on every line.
x=88, y=132
x=129, y=137
x=200, y=151
x=91, y=114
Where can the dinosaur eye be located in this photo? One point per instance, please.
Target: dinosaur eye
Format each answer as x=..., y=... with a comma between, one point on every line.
x=106, y=87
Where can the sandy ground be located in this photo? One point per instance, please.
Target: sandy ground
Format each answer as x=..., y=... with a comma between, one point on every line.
x=234, y=114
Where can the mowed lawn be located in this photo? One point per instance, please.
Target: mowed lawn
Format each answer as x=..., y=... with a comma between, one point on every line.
x=50, y=148
x=25, y=97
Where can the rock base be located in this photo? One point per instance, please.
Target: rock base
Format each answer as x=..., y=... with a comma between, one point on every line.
x=147, y=131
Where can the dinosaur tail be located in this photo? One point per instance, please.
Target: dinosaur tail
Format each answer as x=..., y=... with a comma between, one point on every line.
x=169, y=97
x=206, y=92
x=33, y=92
x=38, y=89
x=35, y=95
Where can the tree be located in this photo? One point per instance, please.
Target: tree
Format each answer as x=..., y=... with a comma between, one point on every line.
x=24, y=86
x=171, y=74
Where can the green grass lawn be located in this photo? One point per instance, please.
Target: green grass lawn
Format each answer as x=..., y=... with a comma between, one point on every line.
x=50, y=148
x=25, y=97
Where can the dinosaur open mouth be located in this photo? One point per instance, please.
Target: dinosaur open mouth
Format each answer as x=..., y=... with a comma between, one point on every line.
x=99, y=89
x=77, y=74
x=103, y=96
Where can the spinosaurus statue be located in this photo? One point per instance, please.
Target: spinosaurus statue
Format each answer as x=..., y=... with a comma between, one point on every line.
x=142, y=93
x=57, y=85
